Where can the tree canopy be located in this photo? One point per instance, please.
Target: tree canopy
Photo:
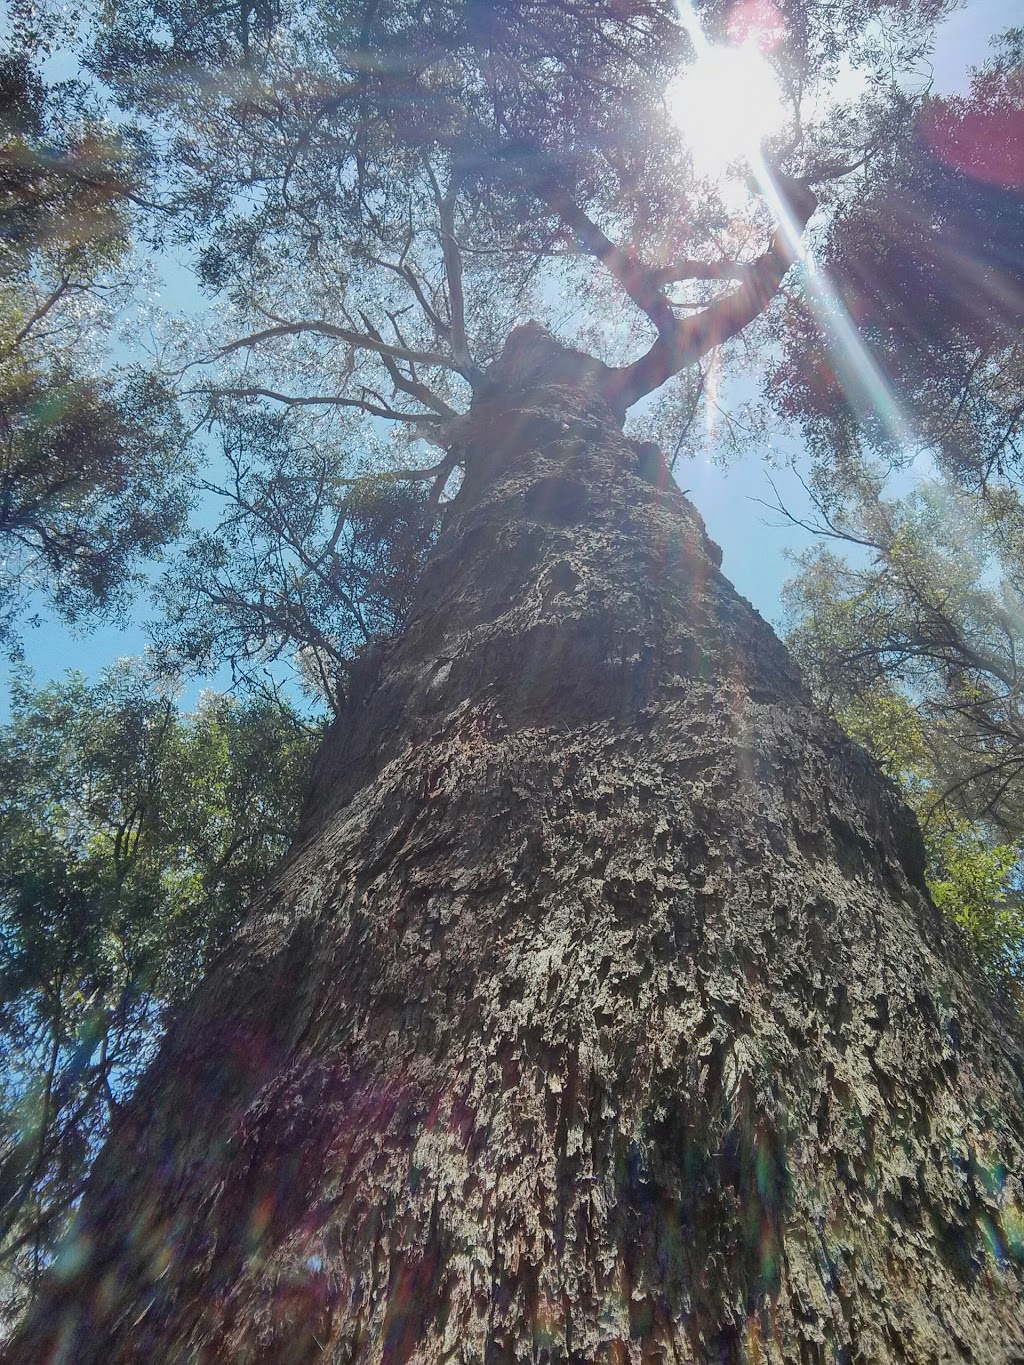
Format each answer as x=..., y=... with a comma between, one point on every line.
x=375, y=194
x=929, y=263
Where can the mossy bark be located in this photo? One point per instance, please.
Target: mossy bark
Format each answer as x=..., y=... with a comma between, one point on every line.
x=600, y=1013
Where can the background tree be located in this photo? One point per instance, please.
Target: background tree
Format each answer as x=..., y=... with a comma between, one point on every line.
x=132, y=835
x=912, y=641
x=93, y=461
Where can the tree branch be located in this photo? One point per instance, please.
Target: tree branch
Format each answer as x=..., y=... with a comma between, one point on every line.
x=637, y=279
x=452, y=256
x=682, y=342
x=699, y=270
x=40, y=313
x=433, y=471
x=409, y=385
x=357, y=340
x=407, y=274
x=324, y=400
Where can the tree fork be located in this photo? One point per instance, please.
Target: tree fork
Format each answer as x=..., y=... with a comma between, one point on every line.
x=599, y=1013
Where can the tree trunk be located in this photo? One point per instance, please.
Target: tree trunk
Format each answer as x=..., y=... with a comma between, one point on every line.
x=600, y=1013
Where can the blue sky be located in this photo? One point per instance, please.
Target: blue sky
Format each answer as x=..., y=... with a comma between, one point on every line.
x=754, y=542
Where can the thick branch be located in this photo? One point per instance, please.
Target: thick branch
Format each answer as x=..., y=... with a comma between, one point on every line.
x=433, y=471
x=681, y=342
x=452, y=256
x=637, y=279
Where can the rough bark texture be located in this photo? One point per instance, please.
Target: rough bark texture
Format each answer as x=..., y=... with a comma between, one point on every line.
x=600, y=1014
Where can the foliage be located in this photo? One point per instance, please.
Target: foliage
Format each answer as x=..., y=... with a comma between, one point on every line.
x=304, y=564
x=132, y=835
x=912, y=643
x=92, y=468
x=928, y=603
x=63, y=178
x=928, y=261
x=974, y=877
x=90, y=480
x=977, y=883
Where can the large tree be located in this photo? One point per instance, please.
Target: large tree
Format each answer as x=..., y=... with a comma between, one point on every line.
x=600, y=1011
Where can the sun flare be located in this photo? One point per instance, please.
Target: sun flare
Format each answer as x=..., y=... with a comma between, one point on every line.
x=725, y=104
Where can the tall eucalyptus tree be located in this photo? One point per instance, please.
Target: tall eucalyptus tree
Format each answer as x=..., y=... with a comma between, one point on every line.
x=599, y=1012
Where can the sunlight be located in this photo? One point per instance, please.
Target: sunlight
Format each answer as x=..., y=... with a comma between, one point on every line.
x=855, y=367
x=725, y=104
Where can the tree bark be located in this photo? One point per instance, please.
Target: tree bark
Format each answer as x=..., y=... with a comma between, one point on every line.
x=600, y=1012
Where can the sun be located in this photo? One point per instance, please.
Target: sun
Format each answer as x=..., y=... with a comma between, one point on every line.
x=725, y=104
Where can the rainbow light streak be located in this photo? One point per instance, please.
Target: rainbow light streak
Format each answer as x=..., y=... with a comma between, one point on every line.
x=855, y=367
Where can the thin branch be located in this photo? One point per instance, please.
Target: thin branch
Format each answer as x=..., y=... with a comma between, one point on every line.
x=357, y=340
x=133, y=198
x=40, y=312
x=407, y=274
x=409, y=385
x=452, y=256
x=321, y=400
x=826, y=528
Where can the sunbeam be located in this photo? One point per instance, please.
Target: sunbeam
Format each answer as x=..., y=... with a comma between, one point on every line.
x=727, y=104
